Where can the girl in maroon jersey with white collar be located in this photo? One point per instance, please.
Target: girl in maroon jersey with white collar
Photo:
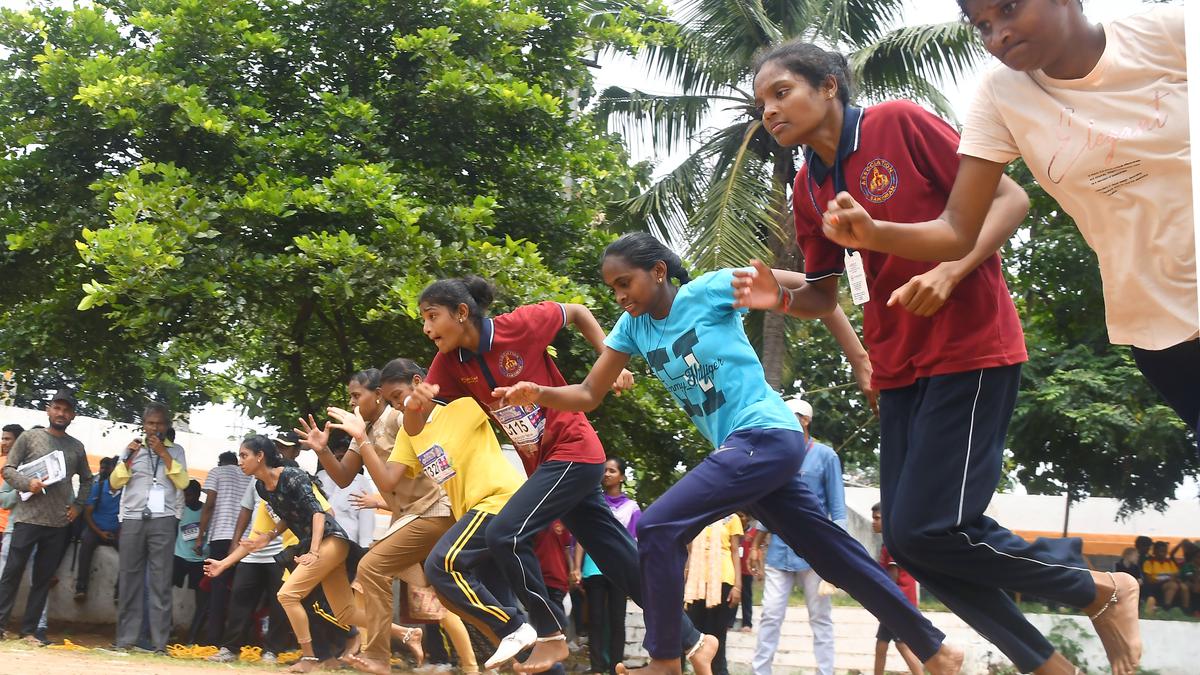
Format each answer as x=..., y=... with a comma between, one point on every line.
x=560, y=450
x=946, y=346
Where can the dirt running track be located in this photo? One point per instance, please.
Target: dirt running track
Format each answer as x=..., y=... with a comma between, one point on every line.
x=18, y=659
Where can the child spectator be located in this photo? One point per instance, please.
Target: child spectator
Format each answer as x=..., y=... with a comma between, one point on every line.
x=907, y=586
x=189, y=556
x=1161, y=575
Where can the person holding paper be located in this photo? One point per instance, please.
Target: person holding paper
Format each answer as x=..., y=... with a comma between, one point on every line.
x=153, y=472
x=42, y=520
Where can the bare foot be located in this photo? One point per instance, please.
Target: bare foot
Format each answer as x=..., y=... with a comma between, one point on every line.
x=947, y=661
x=1117, y=623
x=546, y=653
x=306, y=664
x=364, y=664
x=353, y=646
x=411, y=638
x=655, y=667
x=702, y=655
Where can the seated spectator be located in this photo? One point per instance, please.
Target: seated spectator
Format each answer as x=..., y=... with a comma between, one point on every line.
x=1161, y=575
x=189, y=559
x=100, y=524
x=1128, y=563
x=1189, y=579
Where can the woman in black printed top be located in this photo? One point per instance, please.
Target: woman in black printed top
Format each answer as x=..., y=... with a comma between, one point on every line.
x=289, y=493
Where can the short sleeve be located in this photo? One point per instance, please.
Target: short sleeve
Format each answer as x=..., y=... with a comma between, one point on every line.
x=537, y=324
x=403, y=453
x=933, y=144
x=212, y=482
x=248, y=496
x=718, y=290
x=620, y=338
x=822, y=257
x=733, y=528
x=94, y=495
x=985, y=135
x=449, y=388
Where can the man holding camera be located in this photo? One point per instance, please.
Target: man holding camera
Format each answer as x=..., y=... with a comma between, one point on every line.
x=153, y=473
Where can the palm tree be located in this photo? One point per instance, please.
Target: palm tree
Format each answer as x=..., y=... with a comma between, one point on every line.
x=727, y=202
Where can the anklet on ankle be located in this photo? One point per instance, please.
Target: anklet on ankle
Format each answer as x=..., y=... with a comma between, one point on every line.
x=552, y=638
x=1111, y=601
x=696, y=647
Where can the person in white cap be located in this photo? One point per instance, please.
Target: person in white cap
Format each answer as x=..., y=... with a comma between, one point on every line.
x=822, y=473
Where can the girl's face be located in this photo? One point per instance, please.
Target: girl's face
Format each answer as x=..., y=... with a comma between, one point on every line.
x=1023, y=34
x=612, y=474
x=395, y=392
x=248, y=460
x=445, y=326
x=792, y=109
x=636, y=290
x=368, y=401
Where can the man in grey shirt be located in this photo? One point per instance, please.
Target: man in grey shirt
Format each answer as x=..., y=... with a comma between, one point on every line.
x=42, y=521
x=153, y=472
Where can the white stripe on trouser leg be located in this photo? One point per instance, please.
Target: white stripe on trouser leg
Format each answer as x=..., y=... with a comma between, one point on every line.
x=524, y=579
x=967, y=464
x=993, y=549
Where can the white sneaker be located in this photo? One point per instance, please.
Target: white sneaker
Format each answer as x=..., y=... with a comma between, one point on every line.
x=223, y=656
x=514, y=643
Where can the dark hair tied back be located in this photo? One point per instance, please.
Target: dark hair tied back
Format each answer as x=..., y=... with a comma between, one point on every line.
x=261, y=445
x=812, y=63
x=400, y=370
x=368, y=379
x=475, y=292
x=643, y=251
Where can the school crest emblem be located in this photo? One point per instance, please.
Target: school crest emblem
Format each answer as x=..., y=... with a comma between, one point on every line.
x=511, y=363
x=878, y=180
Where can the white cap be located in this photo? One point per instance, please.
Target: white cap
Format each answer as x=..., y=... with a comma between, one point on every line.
x=800, y=407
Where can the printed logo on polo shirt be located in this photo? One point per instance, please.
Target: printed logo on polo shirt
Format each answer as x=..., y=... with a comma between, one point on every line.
x=878, y=180
x=470, y=379
x=511, y=363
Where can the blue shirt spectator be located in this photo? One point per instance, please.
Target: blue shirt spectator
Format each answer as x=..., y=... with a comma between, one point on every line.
x=106, y=504
x=821, y=473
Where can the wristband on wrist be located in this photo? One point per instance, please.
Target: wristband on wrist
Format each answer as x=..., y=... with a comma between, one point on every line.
x=784, y=301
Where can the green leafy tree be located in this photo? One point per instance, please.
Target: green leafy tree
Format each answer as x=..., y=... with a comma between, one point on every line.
x=727, y=202
x=242, y=200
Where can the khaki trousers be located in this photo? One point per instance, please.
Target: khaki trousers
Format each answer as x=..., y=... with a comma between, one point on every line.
x=330, y=572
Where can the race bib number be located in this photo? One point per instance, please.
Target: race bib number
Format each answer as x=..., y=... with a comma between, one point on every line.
x=436, y=464
x=523, y=424
x=190, y=531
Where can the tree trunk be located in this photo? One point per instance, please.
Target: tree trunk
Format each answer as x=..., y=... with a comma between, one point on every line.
x=783, y=250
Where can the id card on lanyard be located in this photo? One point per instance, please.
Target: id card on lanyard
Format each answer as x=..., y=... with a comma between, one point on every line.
x=855, y=272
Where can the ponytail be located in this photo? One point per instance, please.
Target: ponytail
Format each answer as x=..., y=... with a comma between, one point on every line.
x=261, y=445
x=642, y=250
x=475, y=292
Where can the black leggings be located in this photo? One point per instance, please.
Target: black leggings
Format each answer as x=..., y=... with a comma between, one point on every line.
x=1174, y=373
x=606, y=623
x=714, y=621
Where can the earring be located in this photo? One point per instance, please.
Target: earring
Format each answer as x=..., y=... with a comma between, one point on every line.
x=460, y=320
x=660, y=280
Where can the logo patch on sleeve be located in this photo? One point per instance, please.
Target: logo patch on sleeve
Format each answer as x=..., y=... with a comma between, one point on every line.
x=878, y=180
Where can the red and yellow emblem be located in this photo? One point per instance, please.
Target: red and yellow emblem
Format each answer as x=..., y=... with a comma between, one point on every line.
x=878, y=180
x=511, y=363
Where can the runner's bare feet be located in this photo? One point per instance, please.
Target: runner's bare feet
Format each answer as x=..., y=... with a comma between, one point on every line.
x=947, y=661
x=655, y=667
x=547, y=651
x=702, y=655
x=306, y=664
x=411, y=638
x=364, y=664
x=1115, y=618
x=353, y=646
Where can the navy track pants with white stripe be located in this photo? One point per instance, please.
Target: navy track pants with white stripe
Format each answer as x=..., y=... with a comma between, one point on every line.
x=941, y=454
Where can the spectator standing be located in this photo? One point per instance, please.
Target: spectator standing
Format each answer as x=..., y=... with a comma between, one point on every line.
x=359, y=523
x=821, y=473
x=101, y=524
x=713, y=583
x=224, y=489
x=7, y=437
x=153, y=474
x=44, y=520
x=908, y=586
x=189, y=557
x=751, y=527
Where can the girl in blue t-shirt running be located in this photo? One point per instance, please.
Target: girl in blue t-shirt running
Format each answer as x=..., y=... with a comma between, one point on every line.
x=692, y=337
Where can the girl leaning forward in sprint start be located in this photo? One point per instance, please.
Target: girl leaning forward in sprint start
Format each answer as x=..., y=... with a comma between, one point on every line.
x=693, y=340
x=560, y=450
x=947, y=348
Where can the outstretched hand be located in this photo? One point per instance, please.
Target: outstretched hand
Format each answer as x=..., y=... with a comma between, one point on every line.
x=848, y=224
x=350, y=422
x=521, y=393
x=755, y=288
x=312, y=436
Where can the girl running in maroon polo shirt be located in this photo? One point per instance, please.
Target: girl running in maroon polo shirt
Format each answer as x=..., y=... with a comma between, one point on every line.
x=946, y=346
x=560, y=450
